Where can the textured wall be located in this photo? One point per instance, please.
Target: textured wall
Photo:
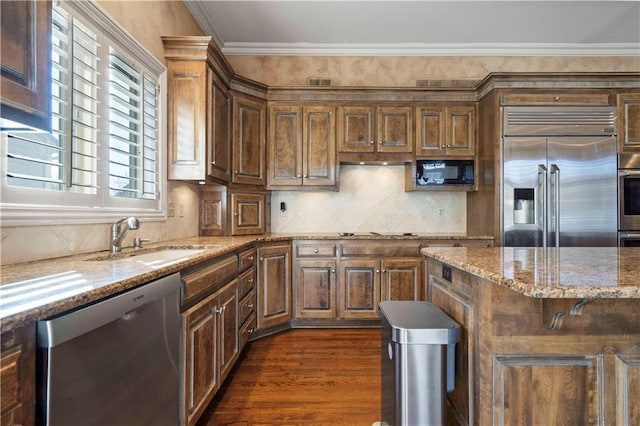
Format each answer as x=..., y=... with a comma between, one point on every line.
x=146, y=21
x=371, y=198
x=397, y=71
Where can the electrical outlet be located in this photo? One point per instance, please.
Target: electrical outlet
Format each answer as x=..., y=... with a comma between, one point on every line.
x=441, y=212
x=171, y=209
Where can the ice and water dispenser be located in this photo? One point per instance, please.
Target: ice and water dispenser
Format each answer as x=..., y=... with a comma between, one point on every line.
x=523, y=206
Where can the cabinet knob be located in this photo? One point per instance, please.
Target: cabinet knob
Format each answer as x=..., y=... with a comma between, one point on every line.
x=315, y=250
x=237, y=171
x=298, y=176
x=250, y=258
x=219, y=310
x=250, y=280
x=333, y=271
x=213, y=163
x=381, y=142
x=250, y=306
x=557, y=98
x=448, y=146
x=377, y=271
x=371, y=142
x=442, y=146
x=250, y=330
x=304, y=176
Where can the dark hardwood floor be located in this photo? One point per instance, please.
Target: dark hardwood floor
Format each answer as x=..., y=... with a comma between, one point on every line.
x=303, y=377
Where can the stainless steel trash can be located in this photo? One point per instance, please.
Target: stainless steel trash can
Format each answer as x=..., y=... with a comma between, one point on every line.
x=418, y=362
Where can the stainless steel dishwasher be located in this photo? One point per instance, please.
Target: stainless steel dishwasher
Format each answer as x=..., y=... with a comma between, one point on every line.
x=114, y=362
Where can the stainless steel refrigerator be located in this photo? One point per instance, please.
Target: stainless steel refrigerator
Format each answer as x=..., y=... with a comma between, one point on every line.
x=559, y=177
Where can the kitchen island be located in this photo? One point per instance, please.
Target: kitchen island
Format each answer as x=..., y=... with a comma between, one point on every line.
x=549, y=336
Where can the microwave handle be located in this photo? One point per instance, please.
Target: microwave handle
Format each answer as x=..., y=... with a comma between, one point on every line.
x=542, y=196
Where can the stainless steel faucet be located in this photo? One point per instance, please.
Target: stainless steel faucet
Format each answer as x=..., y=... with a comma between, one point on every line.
x=119, y=229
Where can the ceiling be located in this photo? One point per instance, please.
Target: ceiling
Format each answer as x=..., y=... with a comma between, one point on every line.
x=431, y=28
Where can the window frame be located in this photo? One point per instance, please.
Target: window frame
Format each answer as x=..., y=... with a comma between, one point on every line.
x=28, y=206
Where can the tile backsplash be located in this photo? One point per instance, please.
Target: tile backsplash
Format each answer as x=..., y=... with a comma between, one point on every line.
x=371, y=198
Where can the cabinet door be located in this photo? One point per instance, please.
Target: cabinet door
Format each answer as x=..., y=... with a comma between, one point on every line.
x=285, y=145
x=461, y=131
x=629, y=122
x=248, y=215
x=430, y=131
x=274, y=285
x=355, y=129
x=186, y=119
x=460, y=309
x=227, y=308
x=401, y=279
x=218, y=129
x=319, y=151
x=213, y=210
x=201, y=360
x=25, y=81
x=395, y=129
x=315, y=289
x=18, y=376
x=359, y=289
x=249, y=154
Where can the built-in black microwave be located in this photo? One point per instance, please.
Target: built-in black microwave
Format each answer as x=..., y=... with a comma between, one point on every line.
x=445, y=172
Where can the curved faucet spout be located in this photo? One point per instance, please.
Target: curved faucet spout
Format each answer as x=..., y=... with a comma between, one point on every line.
x=119, y=229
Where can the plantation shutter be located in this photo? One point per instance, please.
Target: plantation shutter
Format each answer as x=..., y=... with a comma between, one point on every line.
x=132, y=131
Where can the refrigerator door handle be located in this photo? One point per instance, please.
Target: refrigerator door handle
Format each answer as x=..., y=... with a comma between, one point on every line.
x=542, y=197
x=555, y=172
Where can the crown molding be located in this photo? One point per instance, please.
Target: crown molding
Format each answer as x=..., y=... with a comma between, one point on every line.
x=426, y=49
x=201, y=16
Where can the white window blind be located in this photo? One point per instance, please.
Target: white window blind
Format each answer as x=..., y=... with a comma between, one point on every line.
x=104, y=151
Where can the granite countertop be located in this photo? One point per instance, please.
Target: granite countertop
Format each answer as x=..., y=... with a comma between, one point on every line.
x=41, y=289
x=566, y=272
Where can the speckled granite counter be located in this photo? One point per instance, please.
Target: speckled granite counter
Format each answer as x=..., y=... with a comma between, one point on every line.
x=584, y=272
x=36, y=290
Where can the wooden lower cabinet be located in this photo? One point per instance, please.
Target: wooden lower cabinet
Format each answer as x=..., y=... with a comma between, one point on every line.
x=315, y=288
x=512, y=367
x=211, y=347
x=274, y=284
x=359, y=289
x=18, y=376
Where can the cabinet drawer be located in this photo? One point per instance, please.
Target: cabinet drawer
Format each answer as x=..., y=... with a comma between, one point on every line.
x=247, y=330
x=247, y=306
x=203, y=279
x=555, y=99
x=247, y=259
x=247, y=282
x=381, y=248
x=315, y=249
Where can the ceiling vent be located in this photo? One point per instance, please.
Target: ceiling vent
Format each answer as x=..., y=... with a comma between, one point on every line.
x=319, y=82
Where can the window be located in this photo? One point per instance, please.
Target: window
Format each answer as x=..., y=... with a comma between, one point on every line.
x=103, y=158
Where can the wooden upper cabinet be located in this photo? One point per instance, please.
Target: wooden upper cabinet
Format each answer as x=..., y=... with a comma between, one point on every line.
x=629, y=122
x=249, y=142
x=355, y=129
x=25, y=78
x=369, y=129
x=302, y=149
x=198, y=113
x=395, y=129
x=446, y=130
x=218, y=128
x=248, y=213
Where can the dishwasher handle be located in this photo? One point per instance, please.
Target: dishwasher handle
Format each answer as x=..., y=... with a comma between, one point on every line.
x=62, y=328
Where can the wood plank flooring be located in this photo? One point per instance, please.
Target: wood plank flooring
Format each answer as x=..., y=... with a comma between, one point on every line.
x=303, y=377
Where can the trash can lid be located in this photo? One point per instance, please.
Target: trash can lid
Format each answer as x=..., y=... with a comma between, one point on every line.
x=419, y=323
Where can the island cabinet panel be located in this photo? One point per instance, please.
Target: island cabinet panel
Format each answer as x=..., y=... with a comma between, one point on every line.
x=315, y=288
x=559, y=389
x=530, y=360
x=274, y=285
x=249, y=141
x=628, y=389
